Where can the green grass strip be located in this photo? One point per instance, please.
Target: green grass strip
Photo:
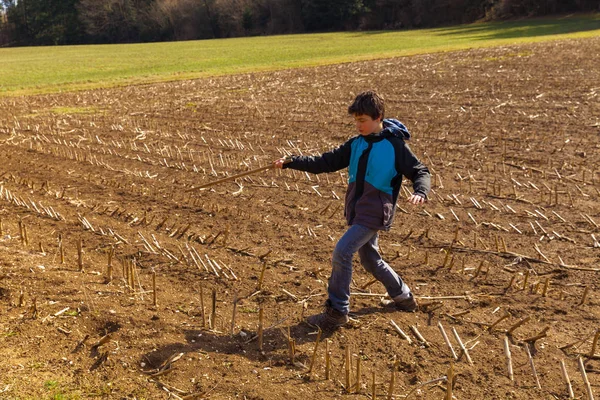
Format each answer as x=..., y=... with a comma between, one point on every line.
x=33, y=70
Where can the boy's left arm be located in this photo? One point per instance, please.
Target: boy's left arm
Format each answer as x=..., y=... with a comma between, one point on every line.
x=413, y=169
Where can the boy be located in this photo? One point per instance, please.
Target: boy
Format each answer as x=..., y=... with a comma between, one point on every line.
x=376, y=160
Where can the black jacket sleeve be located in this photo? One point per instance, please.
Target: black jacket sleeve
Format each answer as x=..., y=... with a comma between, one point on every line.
x=410, y=166
x=331, y=161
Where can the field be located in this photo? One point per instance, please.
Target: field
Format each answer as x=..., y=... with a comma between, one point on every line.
x=54, y=69
x=97, y=201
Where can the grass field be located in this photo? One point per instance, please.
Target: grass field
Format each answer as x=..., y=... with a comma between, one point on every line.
x=51, y=69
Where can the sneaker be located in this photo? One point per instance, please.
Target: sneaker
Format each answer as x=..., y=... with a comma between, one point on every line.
x=408, y=304
x=328, y=320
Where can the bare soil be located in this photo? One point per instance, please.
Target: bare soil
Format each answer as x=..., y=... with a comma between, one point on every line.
x=511, y=135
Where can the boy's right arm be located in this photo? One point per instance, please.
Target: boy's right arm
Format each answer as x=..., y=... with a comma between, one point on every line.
x=330, y=161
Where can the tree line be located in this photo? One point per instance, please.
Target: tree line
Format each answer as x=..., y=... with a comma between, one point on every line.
x=57, y=22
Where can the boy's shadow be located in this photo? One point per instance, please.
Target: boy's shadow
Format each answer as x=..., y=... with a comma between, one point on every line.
x=245, y=343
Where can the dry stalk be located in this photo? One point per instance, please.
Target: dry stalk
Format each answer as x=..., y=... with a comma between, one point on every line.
x=502, y=318
x=314, y=355
x=565, y=375
x=400, y=332
x=327, y=360
x=508, y=359
x=357, y=384
x=213, y=314
x=347, y=369
x=392, y=380
x=260, y=327
x=584, y=296
x=154, y=303
x=449, y=382
x=532, y=365
x=594, y=344
x=445, y=336
x=235, y=301
x=419, y=336
x=518, y=324
x=202, y=307
x=588, y=387
x=462, y=346
x=80, y=254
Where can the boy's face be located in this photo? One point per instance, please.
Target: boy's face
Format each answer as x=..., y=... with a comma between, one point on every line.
x=367, y=125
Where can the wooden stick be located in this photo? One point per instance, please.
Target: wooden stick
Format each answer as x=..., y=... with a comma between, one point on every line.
x=462, y=346
x=535, y=375
x=260, y=327
x=445, y=336
x=366, y=285
x=230, y=178
x=588, y=387
x=508, y=359
x=442, y=297
x=314, y=356
x=565, y=375
x=392, y=380
x=400, y=332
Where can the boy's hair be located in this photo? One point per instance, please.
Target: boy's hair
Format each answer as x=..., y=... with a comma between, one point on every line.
x=367, y=103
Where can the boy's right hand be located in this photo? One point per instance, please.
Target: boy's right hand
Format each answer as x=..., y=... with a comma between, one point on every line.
x=417, y=199
x=279, y=163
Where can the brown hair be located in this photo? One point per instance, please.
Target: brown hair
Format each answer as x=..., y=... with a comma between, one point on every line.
x=367, y=103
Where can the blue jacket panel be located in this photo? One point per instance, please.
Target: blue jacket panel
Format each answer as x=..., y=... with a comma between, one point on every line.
x=376, y=164
x=381, y=167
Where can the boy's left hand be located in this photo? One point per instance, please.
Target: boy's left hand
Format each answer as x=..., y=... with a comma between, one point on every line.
x=416, y=199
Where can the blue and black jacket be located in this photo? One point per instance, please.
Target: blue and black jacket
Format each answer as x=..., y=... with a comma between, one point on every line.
x=376, y=164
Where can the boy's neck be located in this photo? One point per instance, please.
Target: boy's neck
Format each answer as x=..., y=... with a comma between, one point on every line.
x=379, y=129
